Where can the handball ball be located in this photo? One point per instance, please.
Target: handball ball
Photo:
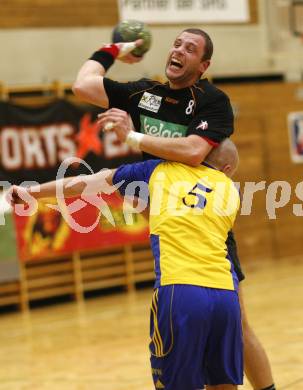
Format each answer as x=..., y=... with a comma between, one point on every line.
x=131, y=30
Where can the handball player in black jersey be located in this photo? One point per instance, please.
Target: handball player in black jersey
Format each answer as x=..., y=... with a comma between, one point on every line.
x=181, y=120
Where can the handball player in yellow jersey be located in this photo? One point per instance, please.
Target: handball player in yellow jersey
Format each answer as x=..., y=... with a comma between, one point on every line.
x=196, y=334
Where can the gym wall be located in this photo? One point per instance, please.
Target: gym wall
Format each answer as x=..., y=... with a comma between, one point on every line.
x=45, y=40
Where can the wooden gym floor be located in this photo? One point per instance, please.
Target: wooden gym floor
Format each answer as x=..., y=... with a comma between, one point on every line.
x=102, y=343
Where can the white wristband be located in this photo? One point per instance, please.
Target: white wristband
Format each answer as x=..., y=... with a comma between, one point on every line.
x=125, y=48
x=134, y=139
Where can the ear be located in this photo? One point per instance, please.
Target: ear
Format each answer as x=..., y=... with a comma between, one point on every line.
x=227, y=169
x=204, y=65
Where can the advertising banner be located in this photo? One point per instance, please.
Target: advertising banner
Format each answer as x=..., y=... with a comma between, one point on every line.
x=295, y=131
x=185, y=11
x=54, y=231
x=35, y=141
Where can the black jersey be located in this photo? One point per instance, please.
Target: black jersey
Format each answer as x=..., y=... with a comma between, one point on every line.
x=158, y=110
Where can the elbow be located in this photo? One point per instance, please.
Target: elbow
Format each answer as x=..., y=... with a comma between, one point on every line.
x=195, y=161
x=79, y=89
x=195, y=158
x=197, y=150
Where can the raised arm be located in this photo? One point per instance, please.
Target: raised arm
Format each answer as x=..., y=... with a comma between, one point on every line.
x=89, y=82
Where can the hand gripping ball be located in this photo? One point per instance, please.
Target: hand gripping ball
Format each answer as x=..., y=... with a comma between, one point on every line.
x=131, y=30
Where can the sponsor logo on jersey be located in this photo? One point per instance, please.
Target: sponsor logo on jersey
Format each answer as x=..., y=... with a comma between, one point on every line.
x=202, y=126
x=171, y=100
x=157, y=128
x=150, y=102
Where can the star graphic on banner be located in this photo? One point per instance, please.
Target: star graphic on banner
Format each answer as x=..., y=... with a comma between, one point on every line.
x=88, y=137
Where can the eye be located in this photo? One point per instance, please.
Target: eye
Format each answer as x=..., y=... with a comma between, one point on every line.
x=191, y=49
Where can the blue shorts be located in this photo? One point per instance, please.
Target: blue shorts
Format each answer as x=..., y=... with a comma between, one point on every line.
x=196, y=337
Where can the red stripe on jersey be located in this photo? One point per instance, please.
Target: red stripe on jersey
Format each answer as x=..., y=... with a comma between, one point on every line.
x=211, y=142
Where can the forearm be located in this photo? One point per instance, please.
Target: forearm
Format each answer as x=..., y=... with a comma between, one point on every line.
x=64, y=187
x=91, y=68
x=75, y=186
x=190, y=150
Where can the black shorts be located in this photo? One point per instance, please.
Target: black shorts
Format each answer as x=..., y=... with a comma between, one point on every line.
x=233, y=253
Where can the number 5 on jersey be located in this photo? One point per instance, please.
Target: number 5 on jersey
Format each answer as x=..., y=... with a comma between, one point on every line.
x=200, y=200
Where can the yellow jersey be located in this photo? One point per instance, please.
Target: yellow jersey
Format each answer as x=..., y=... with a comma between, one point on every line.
x=192, y=209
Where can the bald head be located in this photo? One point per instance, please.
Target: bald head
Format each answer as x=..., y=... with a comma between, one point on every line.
x=224, y=157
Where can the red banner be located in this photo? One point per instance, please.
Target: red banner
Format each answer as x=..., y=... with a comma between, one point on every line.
x=49, y=232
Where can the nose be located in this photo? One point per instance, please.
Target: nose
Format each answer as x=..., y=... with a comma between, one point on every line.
x=179, y=49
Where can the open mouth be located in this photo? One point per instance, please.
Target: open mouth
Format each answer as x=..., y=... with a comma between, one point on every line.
x=176, y=63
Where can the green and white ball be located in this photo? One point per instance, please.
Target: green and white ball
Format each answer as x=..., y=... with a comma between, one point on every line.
x=131, y=30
